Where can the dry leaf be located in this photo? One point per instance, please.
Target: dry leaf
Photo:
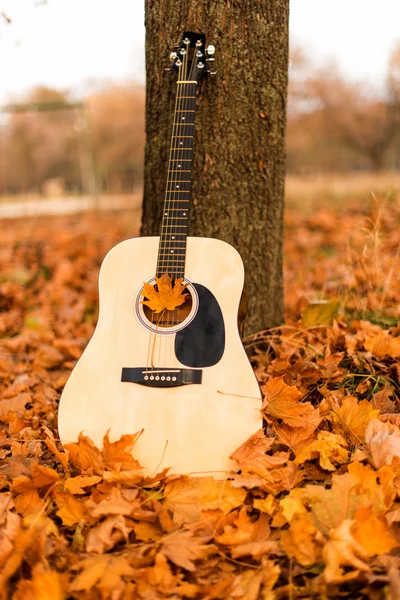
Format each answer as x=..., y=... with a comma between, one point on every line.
x=319, y=313
x=167, y=296
x=383, y=345
x=328, y=447
x=301, y=541
x=330, y=507
x=372, y=532
x=382, y=444
x=41, y=477
x=103, y=537
x=353, y=417
x=115, y=504
x=103, y=571
x=251, y=455
x=282, y=402
x=75, y=485
x=71, y=510
x=187, y=497
x=84, y=455
x=342, y=549
x=182, y=549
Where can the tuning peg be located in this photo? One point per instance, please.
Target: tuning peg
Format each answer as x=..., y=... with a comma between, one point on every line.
x=167, y=68
x=210, y=49
x=210, y=59
x=173, y=56
x=212, y=71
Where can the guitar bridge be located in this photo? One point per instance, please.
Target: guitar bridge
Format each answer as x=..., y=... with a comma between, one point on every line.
x=161, y=377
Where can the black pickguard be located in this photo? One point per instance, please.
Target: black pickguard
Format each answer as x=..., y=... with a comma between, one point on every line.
x=202, y=342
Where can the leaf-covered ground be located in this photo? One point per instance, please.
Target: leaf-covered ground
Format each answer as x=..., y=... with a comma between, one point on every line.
x=313, y=510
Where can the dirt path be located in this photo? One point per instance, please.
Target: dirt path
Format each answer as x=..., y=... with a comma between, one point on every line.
x=66, y=205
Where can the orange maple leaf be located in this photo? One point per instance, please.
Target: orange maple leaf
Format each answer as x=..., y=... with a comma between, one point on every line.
x=282, y=402
x=342, y=549
x=182, y=548
x=383, y=345
x=166, y=297
x=354, y=416
x=329, y=447
x=70, y=509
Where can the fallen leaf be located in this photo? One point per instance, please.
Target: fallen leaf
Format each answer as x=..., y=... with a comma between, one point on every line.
x=372, y=532
x=301, y=541
x=115, y=504
x=117, y=455
x=320, y=313
x=44, y=585
x=383, y=345
x=15, y=404
x=75, y=485
x=251, y=455
x=41, y=477
x=282, y=402
x=109, y=532
x=330, y=507
x=382, y=444
x=182, y=549
x=187, y=497
x=29, y=502
x=48, y=357
x=70, y=509
x=353, y=416
x=329, y=447
x=103, y=571
x=342, y=549
x=84, y=455
x=167, y=296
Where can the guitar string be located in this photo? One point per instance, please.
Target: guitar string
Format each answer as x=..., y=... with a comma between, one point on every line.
x=186, y=103
x=175, y=205
x=164, y=225
x=171, y=183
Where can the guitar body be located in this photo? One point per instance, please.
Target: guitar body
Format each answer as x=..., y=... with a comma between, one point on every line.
x=189, y=387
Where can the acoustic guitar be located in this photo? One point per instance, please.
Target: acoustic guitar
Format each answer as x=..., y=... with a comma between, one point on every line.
x=166, y=357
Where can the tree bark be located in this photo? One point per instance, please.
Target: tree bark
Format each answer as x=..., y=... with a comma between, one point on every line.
x=239, y=156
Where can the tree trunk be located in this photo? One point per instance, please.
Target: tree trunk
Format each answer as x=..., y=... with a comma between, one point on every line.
x=239, y=156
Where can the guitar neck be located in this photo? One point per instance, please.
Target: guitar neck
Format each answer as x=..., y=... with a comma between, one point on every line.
x=174, y=227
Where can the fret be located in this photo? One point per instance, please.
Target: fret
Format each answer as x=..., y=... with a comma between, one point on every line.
x=185, y=110
x=180, y=171
x=182, y=136
x=172, y=254
x=193, y=97
x=181, y=149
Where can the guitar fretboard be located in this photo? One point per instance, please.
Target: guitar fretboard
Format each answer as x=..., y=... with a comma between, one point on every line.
x=172, y=248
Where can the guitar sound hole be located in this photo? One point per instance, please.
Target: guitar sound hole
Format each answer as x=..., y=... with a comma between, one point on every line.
x=170, y=318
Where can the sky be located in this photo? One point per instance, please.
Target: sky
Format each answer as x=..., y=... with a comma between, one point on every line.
x=71, y=44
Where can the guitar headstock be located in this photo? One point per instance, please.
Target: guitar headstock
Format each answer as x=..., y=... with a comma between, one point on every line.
x=192, y=59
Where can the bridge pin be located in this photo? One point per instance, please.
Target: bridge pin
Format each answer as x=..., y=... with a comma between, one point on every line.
x=146, y=377
x=157, y=378
x=168, y=378
x=174, y=379
x=151, y=376
x=162, y=378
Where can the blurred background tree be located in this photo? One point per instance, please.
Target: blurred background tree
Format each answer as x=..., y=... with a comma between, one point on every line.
x=334, y=126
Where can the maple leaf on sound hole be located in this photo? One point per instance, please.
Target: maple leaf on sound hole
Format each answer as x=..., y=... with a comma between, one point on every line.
x=167, y=296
